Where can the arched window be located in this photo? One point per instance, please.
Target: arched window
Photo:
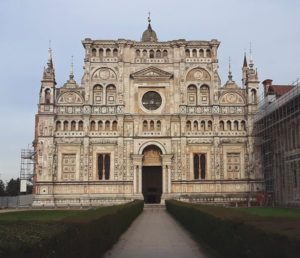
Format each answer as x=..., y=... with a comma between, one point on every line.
x=93, y=126
x=209, y=125
x=158, y=125
x=165, y=53
x=145, y=53
x=192, y=95
x=202, y=126
x=58, y=126
x=73, y=126
x=101, y=51
x=66, y=126
x=47, y=96
x=151, y=125
x=80, y=126
x=243, y=125
x=94, y=52
x=107, y=125
x=199, y=166
x=151, y=54
x=194, y=53
x=115, y=52
x=115, y=126
x=158, y=54
x=204, y=95
x=253, y=96
x=100, y=125
x=235, y=125
x=137, y=53
x=108, y=52
x=187, y=53
x=195, y=128
x=228, y=126
x=145, y=126
x=208, y=53
x=111, y=95
x=188, y=126
x=98, y=94
x=221, y=126
x=201, y=53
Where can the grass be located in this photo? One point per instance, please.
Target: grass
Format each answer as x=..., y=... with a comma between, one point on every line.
x=272, y=212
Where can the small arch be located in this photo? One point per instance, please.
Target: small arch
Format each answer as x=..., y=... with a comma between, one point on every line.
x=243, y=125
x=188, y=126
x=235, y=125
x=158, y=54
x=100, y=125
x=194, y=53
x=80, y=126
x=157, y=144
x=192, y=95
x=201, y=53
x=158, y=125
x=94, y=52
x=101, y=52
x=73, y=126
x=115, y=52
x=137, y=53
x=66, y=125
x=115, y=126
x=208, y=53
x=195, y=127
x=253, y=96
x=228, y=126
x=98, y=94
x=58, y=126
x=108, y=52
x=151, y=125
x=47, y=96
x=107, y=125
x=221, y=125
x=93, y=126
x=204, y=95
x=145, y=53
x=209, y=125
x=111, y=94
x=165, y=53
x=187, y=53
x=202, y=125
x=145, y=125
x=151, y=53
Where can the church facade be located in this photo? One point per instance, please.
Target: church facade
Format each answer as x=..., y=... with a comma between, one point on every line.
x=150, y=120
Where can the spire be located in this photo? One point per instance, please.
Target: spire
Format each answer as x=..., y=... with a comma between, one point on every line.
x=245, y=64
x=251, y=64
x=50, y=62
x=49, y=74
x=72, y=69
x=149, y=21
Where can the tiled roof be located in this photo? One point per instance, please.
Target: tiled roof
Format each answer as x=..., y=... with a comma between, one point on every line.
x=280, y=90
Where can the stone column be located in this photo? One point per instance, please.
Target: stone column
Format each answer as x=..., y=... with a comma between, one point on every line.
x=166, y=164
x=137, y=176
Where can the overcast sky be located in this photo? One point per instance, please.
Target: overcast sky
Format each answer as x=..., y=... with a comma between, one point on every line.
x=26, y=26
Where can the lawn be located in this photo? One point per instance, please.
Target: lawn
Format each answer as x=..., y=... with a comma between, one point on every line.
x=272, y=212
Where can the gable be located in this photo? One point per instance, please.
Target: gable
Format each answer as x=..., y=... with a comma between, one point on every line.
x=151, y=73
x=232, y=98
x=70, y=98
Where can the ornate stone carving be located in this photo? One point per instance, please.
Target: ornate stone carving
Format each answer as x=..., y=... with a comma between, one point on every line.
x=198, y=74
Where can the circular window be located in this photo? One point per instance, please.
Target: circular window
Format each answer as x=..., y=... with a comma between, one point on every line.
x=151, y=100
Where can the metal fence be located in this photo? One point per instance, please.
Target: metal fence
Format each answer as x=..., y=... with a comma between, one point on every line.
x=16, y=201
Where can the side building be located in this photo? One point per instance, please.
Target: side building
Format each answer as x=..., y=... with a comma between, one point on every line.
x=150, y=120
x=277, y=127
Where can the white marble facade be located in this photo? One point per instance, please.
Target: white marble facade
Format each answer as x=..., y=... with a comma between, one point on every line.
x=142, y=104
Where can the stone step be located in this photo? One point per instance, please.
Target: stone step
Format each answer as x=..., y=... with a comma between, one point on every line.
x=154, y=206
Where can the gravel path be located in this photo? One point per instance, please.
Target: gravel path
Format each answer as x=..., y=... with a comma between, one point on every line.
x=155, y=234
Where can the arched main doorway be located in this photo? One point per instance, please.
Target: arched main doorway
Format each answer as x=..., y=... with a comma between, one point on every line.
x=152, y=174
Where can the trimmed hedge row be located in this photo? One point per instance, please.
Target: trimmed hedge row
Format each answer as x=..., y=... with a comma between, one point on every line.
x=78, y=236
x=229, y=238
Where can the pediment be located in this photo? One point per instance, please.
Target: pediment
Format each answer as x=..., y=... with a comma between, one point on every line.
x=151, y=73
x=232, y=98
x=70, y=98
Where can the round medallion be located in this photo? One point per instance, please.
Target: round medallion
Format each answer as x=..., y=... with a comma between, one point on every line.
x=198, y=74
x=104, y=74
x=151, y=100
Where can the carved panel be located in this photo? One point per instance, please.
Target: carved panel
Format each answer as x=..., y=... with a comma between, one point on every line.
x=70, y=98
x=231, y=98
x=68, y=166
x=198, y=74
x=104, y=74
x=233, y=165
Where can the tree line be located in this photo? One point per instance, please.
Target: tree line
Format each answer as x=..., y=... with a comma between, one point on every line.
x=12, y=188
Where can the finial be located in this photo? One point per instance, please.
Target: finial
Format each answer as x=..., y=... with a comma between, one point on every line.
x=229, y=70
x=72, y=69
x=251, y=60
x=49, y=52
x=149, y=19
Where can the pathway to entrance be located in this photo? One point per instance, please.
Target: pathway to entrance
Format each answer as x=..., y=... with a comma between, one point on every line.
x=155, y=234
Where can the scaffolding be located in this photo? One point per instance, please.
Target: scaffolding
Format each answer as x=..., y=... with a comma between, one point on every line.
x=27, y=168
x=277, y=131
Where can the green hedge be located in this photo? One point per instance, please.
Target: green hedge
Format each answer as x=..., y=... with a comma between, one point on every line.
x=88, y=234
x=231, y=238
